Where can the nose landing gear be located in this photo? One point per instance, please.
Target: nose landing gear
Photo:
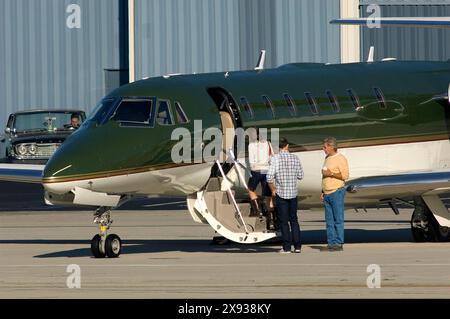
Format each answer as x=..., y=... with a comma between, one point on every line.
x=104, y=244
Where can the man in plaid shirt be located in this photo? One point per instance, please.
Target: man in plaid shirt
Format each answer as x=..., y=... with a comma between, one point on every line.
x=284, y=172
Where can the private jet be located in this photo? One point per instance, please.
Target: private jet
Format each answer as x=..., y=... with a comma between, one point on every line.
x=391, y=119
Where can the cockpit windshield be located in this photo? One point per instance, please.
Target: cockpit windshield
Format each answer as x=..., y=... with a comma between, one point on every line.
x=101, y=111
x=126, y=111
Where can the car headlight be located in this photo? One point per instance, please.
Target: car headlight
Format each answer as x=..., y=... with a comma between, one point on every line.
x=32, y=149
x=21, y=149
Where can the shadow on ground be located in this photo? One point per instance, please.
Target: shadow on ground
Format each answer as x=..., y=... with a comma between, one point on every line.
x=309, y=237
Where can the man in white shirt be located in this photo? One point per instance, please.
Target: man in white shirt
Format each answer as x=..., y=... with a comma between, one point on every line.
x=259, y=153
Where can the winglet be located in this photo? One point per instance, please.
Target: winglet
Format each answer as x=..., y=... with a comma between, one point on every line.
x=261, y=60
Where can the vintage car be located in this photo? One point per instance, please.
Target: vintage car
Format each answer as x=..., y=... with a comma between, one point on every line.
x=32, y=137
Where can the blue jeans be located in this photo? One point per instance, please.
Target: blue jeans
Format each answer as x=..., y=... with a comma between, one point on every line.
x=287, y=216
x=334, y=216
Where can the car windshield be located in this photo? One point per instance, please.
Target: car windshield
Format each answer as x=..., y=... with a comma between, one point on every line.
x=46, y=121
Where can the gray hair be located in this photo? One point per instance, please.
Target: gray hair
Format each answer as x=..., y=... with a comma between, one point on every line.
x=331, y=141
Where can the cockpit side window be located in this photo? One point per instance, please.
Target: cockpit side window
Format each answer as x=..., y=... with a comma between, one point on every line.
x=181, y=115
x=134, y=112
x=164, y=114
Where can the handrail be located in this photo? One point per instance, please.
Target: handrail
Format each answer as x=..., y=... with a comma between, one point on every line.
x=237, y=163
x=230, y=193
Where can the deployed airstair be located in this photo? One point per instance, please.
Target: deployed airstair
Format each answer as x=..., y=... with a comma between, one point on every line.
x=216, y=205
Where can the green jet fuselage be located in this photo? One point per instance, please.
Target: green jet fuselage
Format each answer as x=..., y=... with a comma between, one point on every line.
x=412, y=107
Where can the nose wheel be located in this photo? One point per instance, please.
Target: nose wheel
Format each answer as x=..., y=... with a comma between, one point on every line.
x=104, y=244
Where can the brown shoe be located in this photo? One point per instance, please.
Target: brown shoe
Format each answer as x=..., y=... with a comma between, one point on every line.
x=255, y=210
x=270, y=220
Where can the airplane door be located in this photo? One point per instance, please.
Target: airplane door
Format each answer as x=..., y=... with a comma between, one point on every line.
x=229, y=116
x=228, y=130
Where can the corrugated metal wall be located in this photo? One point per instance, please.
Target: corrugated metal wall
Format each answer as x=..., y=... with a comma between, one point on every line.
x=407, y=43
x=215, y=35
x=185, y=36
x=303, y=32
x=45, y=64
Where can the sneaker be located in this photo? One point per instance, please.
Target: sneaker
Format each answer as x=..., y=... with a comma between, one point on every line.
x=282, y=251
x=332, y=248
x=337, y=248
x=297, y=251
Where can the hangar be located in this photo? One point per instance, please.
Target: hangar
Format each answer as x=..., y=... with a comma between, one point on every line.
x=68, y=54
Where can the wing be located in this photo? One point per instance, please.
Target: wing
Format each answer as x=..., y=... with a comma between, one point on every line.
x=401, y=185
x=426, y=22
x=21, y=173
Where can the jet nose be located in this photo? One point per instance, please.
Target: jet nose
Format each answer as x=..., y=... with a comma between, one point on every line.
x=66, y=165
x=82, y=157
x=57, y=173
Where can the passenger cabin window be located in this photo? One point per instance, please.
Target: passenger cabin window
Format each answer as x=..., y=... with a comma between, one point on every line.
x=269, y=105
x=134, y=113
x=247, y=107
x=290, y=104
x=333, y=101
x=181, y=115
x=164, y=114
x=312, y=103
x=354, y=98
x=380, y=97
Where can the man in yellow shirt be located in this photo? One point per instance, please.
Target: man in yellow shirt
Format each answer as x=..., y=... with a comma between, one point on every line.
x=334, y=173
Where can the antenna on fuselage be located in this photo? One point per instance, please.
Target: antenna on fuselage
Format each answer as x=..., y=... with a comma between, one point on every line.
x=370, y=56
x=261, y=60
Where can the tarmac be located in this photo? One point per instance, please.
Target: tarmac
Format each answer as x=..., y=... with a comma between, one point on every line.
x=167, y=255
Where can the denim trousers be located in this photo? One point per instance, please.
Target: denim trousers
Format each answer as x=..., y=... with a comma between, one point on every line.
x=334, y=216
x=287, y=216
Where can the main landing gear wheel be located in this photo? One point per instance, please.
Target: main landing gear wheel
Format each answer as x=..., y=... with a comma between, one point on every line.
x=425, y=227
x=102, y=244
x=113, y=246
x=96, y=247
x=422, y=228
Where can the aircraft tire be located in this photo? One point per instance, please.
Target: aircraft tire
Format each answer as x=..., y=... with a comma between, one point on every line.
x=441, y=233
x=418, y=235
x=95, y=247
x=113, y=246
x=435, y=232
x=423, y=214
